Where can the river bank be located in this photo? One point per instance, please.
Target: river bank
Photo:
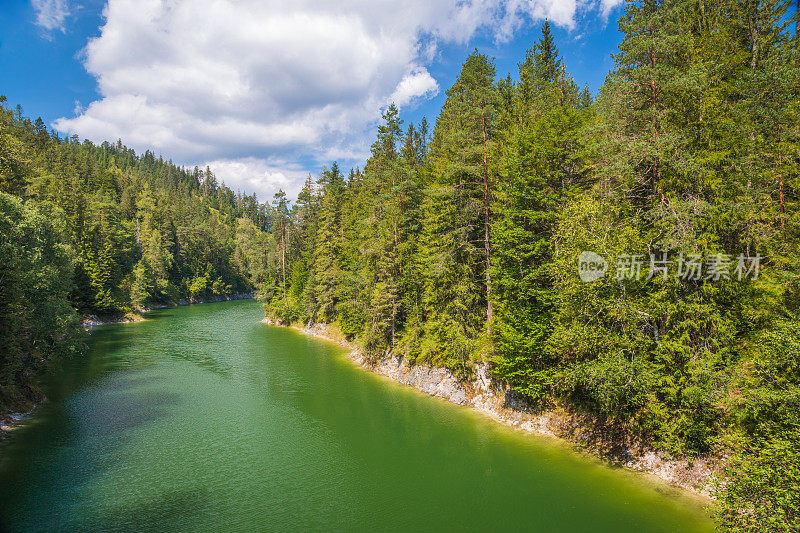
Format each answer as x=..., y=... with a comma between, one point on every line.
x=495, y=399
x=11, y=419
x=90, y=321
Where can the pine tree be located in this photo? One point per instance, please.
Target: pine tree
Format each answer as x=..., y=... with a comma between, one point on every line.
x=14, y=165
x=303, y=240
x=410, y=191
x=458, y=213
x=282, y=212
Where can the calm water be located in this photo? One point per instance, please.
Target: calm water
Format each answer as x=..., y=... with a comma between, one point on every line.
x=204, y=419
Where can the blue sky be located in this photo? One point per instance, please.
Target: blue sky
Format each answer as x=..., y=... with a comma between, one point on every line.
x=263, y=92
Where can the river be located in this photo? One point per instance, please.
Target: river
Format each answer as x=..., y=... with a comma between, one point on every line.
x=204, y=419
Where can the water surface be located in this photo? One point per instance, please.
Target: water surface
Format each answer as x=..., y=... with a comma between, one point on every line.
x=204, y=419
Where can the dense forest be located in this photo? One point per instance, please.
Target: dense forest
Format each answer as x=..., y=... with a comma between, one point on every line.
x=459, y=244
x=98, y=230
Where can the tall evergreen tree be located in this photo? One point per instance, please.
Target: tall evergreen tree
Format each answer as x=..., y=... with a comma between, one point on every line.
x=542, y=166
x=327, y=269
x=457, y=243
x=281, y=231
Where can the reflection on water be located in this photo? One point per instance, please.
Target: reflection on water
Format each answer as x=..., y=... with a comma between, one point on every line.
x=203, y=419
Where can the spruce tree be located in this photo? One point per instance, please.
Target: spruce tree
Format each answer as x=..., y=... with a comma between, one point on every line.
x=280, y=230
x=542, y=166
x=327, y=267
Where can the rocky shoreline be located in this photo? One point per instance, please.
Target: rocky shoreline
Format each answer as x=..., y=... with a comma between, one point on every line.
x=90, y=321
x=498, y=401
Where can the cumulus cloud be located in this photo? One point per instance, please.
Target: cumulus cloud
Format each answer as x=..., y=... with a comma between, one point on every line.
x=414, y=85
x=264, y=178
x=606, y=6
x=50, y=14
x=251, y=84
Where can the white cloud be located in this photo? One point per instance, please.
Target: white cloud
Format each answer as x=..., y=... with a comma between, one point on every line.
x=268, y=82
x=606, y=6
x=253, y=175
x=417, y=84
x=50, y=14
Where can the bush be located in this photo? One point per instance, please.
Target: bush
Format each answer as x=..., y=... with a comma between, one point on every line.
x=37, y=322
x=760, y=488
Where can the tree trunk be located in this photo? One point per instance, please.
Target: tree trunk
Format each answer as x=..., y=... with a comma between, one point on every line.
x=703, y=14
x=783, y=205
x=780, y=183
x=395, y=224
x=486, y=243
x=283, y=258
x=754, y=41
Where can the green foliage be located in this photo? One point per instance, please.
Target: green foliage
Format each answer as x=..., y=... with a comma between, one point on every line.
x=101, y=230
x=456, y=235
x=761, y=489
x=327, y=257
x=463, y=247
x=37, y=323
x=541, y=167
x=144, y=231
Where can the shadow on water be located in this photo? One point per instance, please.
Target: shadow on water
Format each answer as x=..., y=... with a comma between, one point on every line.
x=177, y=510
x=80, y=371
x=71, y=442
x=116, y=414
x=205, y=362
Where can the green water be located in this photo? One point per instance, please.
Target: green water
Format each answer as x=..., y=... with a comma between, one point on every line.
x=204, y=419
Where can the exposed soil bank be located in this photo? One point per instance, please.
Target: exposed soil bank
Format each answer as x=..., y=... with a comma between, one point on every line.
x=89, y=321
x=497, y=400
x=17, y=416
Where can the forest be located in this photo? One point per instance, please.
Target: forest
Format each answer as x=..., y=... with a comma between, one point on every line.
x=98, y=230
x=459, y=244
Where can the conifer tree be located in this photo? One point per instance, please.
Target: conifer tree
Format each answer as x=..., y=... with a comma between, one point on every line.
x=458, y=213
x=327, y=267
x=542, y=166
x=281, y=204
x=383, y=233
